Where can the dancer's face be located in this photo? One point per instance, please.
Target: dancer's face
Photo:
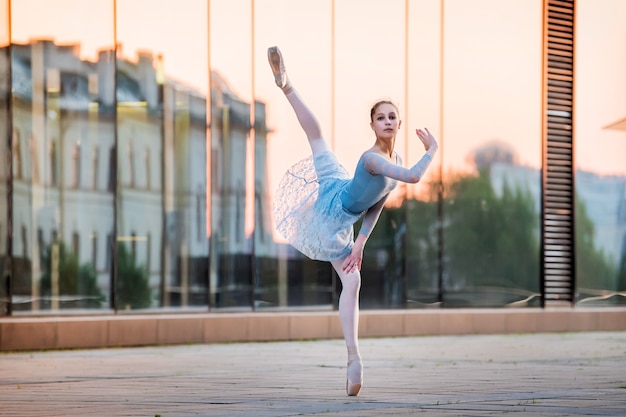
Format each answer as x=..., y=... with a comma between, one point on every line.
x=385, y=121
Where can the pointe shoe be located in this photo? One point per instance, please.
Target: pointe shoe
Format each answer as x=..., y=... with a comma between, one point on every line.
x=277, y=64
x=354, y=387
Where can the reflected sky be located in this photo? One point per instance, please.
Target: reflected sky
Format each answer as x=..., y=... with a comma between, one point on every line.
x=489, y=75
x=600, y=86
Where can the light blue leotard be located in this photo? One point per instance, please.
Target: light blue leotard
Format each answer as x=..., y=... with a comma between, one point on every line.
x=365, y=189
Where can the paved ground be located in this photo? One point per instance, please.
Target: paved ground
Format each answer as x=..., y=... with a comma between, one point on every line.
x=572, y=374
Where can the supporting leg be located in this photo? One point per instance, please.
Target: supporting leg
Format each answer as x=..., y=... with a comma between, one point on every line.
x=349, y=317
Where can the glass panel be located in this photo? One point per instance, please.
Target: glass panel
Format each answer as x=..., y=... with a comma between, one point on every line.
x=600, y=146
x=5, y=174
x=421, y=208
x=62, y=116
x=491, y=152
x=283, y=276
x=369, y=67
x=162, y=91
x=232, y=154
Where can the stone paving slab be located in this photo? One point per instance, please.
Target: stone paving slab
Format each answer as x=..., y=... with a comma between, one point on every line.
x=568, y=374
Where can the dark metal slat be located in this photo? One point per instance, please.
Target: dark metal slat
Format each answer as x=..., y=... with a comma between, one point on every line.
x=558, y=173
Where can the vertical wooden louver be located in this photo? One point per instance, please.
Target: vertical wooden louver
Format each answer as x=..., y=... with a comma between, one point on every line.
x=557, y=223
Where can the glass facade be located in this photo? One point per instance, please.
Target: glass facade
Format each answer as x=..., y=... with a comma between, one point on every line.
x=63, y=133
x=233, y=145
x=600, y=159
x=144, y=141
x=161, y=193
x=491, y=153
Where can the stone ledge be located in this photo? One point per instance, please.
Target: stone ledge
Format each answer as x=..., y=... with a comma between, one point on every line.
x=65, y=332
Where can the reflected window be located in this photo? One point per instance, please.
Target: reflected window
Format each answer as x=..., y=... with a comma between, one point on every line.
x=52, y=156
x=76, y=165
x=76, y=243
x=199, y=211
x=148, y=252
x=95, y=159
x=53, y=80
x=94, y=249
x=17, y=155
x=111, y=182
x=133, y=246
x=147, y=161
x=34, y=160
x=107, y=257
x=131, y=166
x=24, y=233
x=40, y=242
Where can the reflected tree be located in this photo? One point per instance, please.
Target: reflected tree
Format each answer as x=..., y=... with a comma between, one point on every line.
x=133, y=289
x=490, y=240
x=383, y=266
x=593, y=269
x=77, y=284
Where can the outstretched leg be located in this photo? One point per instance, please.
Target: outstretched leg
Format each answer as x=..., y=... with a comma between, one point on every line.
x=303, y=113
x=349, y=317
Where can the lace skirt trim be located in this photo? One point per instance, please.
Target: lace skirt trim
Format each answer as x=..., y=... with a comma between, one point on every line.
x=308, y=211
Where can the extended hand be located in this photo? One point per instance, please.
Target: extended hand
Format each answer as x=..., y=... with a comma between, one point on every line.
x=427, y=138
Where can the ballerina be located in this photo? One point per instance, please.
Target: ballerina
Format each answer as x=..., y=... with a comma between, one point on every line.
x=318, y=202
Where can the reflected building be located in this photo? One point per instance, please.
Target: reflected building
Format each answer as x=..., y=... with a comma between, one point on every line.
x=66, y=187
x=234, y=249
x=62, y=147
x=604, y=198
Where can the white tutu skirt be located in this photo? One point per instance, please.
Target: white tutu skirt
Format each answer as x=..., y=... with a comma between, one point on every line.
x=308, y=211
